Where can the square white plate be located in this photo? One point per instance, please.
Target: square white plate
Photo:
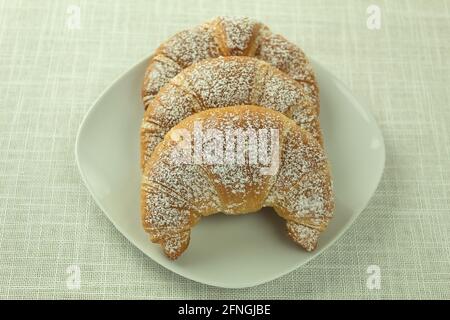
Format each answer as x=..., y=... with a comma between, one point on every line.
x=227, y=251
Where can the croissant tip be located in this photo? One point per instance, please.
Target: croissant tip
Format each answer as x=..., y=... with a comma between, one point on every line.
x=175, y=245
x=304, y=236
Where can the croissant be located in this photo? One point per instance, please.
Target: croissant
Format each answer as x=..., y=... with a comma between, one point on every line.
x=224, y=36
x=228, y=81
x=194, y=173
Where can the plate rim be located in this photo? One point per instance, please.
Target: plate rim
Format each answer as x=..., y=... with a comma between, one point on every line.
x=216, y=283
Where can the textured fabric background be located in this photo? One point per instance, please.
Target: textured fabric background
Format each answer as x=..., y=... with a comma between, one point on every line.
x=50, y=74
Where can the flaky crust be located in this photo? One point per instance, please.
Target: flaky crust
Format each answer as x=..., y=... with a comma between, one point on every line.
x=224, y=36
x=228, y=81
x=175, y=195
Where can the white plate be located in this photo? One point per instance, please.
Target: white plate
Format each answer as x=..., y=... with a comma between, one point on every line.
x=227, y=251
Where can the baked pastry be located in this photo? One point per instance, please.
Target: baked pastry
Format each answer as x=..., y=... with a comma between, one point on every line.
x=228, y=81
x=224, y=36
x=176, y=193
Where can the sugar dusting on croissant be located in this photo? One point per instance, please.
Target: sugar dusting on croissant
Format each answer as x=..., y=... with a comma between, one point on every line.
x=176, y=194
x=224, y=36
x=228, y=81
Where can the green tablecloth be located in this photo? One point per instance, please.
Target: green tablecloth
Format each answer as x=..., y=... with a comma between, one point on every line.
x=53, y=66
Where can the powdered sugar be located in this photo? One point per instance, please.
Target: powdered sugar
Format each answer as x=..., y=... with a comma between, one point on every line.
x=226, y=36
x=227, y=81
x=176, y=195
x=305, y=236
x=238, y=32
